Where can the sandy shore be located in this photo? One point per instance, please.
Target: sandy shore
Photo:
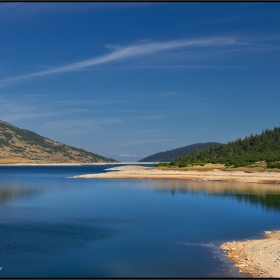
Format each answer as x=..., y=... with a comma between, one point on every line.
x=261, y=258
x=140, y=172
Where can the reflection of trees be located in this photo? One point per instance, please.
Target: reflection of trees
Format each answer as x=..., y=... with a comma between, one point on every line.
x=268, y=196
x=268, y=201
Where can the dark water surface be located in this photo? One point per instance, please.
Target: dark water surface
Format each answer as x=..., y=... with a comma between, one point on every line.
x=54, y=226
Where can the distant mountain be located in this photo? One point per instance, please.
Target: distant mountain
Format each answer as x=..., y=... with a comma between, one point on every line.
x=24, y=146
x=169, y=155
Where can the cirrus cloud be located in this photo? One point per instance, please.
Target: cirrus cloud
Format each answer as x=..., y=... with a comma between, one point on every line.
x=131, y=51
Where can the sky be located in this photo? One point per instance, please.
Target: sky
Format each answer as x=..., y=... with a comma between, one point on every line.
x=127, y=80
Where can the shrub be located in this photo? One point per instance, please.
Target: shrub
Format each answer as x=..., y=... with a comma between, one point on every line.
x=273, y=165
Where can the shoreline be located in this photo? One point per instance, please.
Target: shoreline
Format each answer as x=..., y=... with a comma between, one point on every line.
x=140, y=172
x=259, y=257
x=43, y=164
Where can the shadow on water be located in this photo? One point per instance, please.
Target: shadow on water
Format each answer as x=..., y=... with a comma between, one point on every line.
x=265, y=195
x=52, y=239
x=102, y=220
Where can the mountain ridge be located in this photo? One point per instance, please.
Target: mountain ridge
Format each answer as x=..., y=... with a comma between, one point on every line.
x=24, y=146
x=182, y=151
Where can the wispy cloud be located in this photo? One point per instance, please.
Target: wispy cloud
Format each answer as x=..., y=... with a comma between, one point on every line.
x=35, y=106
x=200, y=66
x=126, y=155
x=21, y=10
x=143, y=142
x=131, y=51
x=79, y=125
x=12, y=111
x=180, y=66
x=86, y=103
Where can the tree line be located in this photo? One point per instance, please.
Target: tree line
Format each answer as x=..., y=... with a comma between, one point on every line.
x=264, y=147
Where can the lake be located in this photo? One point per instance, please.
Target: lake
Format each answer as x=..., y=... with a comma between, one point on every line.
x=55, y=226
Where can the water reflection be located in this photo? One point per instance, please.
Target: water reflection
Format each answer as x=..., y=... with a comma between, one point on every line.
x=265, y=195
x=9, y=193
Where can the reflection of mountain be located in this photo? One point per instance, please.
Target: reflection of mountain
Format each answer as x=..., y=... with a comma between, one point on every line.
x=268, y=196
x=8, y=194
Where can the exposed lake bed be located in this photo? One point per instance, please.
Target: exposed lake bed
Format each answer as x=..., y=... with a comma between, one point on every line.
x=55, y=226
x=140, y=172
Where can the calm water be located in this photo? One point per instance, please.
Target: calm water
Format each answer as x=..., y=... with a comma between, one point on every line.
x=53, y=225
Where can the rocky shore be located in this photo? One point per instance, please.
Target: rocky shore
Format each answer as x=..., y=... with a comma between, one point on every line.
x=261, y=258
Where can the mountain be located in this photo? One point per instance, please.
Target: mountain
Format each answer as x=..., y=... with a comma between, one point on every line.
x=261, y=150
x=24, y=146
x=169, y=155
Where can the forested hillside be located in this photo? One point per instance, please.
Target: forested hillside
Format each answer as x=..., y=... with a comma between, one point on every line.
x=264, y=147
x=183, y=151
x=24, y=146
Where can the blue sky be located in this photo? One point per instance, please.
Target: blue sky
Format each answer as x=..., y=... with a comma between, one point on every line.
x=127, y=80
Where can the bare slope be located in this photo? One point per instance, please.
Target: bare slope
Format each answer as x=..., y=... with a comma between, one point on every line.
x=179, y=152
x=24, y=146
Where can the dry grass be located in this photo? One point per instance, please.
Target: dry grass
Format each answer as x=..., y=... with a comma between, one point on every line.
x=19, y=146
x=19, y=161
x=208, y=166
x=258, y=167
